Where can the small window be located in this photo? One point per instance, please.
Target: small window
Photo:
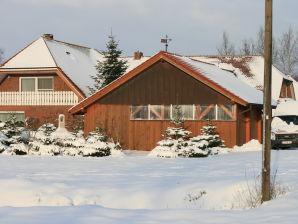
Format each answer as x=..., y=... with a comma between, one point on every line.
x=28, y=84
x=6, y=115
x=45, y=84
x=139, y=112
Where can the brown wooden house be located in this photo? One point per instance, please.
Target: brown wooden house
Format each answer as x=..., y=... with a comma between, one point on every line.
x=136, y=108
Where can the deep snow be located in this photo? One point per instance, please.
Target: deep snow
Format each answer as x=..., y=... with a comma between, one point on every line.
x=140, y=189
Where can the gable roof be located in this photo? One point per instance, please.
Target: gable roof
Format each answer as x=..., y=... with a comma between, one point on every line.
x=248, y=68
x=76, y=62
x=222, y=81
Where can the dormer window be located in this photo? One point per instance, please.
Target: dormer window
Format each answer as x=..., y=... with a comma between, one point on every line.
x=34, y=84
x=287, y=90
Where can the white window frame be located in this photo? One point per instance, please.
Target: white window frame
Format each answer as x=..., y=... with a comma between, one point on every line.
x=36, y=83
x=13, y=112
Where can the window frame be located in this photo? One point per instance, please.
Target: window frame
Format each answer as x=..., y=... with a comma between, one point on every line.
x=14, y=112
x=196, y=112
x=36, y=83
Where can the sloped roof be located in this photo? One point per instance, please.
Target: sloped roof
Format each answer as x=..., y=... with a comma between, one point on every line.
x=222, y=81
x=250, y=69
x=76, y=62
x=225, y=79
x=35, y=55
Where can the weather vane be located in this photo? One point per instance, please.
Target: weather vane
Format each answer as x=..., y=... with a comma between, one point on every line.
x=166, y=42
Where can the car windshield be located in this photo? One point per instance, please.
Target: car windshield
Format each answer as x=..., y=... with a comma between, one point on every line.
x=290, y=119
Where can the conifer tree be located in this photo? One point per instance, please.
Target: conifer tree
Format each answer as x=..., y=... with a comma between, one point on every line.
x=111, y=68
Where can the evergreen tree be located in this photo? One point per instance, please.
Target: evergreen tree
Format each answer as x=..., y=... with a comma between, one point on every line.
x=110, y=68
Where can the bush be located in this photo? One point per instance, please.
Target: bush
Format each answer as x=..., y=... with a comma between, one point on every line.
x=48, y=140
x=251, y=195
x=177, y=143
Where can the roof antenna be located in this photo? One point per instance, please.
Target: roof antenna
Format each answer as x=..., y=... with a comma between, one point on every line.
x=166, y=41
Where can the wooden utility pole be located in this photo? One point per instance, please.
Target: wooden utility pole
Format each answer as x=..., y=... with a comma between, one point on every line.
x=267, y=110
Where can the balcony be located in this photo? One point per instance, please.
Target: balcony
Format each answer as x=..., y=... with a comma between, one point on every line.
x=38, y=98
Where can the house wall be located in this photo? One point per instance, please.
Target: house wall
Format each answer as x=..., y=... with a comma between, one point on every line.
x=42, y=114
x=160, y=84
x=143, y=135
x=12, y=82
x=249, y=124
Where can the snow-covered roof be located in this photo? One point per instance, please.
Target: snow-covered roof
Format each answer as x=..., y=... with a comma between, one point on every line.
x=132, y=63
x=287, y=108
x=77, y=62
x=225, y=79
x=249, y=69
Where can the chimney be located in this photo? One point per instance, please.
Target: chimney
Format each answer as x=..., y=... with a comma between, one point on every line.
x=48, y=36
x=138, y=55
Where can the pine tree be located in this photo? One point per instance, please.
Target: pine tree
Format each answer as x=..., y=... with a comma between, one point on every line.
x=209, y=134
x=110, y=68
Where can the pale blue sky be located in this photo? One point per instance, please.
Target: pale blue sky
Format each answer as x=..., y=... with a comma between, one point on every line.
x=194, y=25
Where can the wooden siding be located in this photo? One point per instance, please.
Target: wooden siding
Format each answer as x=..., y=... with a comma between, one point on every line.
x=160, y=84
x=164, y=84
x=143, y=135
x=287, y=90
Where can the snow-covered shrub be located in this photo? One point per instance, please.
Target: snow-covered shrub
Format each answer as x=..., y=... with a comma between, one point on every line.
x=177, y=143
x=97, y=145
x=13, y=129
x=12, y=138
x=175, y=138
x=2, y=140
x=51, y=141
x=208, y=143
x=211, y=136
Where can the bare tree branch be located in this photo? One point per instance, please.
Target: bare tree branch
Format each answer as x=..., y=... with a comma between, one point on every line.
x=288, y=53
x=1, y=55
x=226, y=47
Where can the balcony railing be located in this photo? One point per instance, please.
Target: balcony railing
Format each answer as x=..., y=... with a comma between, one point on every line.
x=38, y=98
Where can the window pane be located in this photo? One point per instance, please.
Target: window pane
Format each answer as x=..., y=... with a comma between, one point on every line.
x=139, y=112
x=156, y=112
x=45, y=84
x=167, y=109
x=225, y=112
x=183, y=111
x=28, y=84
x=187, y=112
x=207, y=112
x=6, y=116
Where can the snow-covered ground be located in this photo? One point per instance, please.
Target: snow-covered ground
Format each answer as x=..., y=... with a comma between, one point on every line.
x=139, y=189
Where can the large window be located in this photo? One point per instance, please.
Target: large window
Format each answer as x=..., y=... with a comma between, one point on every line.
x=6, y=115
x=36, y=84
x=204, y=112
